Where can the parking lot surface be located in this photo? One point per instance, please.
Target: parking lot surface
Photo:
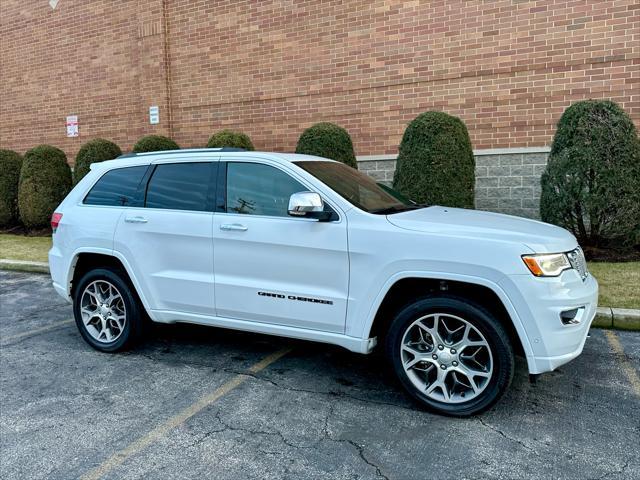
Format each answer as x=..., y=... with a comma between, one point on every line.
x=195, y=402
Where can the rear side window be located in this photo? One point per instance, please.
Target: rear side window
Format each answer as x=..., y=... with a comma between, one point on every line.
x=179, y=186
x=116, y=187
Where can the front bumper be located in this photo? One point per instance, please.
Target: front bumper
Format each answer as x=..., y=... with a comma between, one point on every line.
x=540, y=302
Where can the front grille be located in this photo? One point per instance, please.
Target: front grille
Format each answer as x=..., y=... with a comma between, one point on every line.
x=578, y=262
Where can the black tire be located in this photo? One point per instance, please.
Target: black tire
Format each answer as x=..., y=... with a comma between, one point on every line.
x=480, y=318
x=134, y=322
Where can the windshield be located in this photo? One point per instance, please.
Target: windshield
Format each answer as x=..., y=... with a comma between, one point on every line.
x=358, y=188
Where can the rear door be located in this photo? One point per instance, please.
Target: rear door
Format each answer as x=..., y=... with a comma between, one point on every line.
x=100, y=210
x=271, y=267
x=168, y=241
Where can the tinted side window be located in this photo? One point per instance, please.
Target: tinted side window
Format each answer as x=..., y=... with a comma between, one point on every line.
x=257, y=189
x=116, y=187
x=179, y=186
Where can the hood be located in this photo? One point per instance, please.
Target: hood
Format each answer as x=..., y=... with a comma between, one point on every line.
x=538, y=236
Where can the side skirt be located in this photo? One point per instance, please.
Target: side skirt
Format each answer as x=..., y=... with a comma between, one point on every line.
x=357, y=345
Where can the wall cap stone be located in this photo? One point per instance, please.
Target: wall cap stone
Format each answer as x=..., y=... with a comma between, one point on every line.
x=477, y=153
x=373, y=158
x=511, y=151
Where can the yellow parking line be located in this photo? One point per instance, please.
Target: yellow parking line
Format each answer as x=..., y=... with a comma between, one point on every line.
x=161, y=430
x=36, y=331
x=631, y=372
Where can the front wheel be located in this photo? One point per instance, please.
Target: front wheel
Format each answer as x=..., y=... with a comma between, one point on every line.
x=451, y=355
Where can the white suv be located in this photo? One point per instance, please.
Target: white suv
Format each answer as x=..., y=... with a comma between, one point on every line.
x=309, y=248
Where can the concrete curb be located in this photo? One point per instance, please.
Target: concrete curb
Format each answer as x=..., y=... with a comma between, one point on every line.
x=606, y=317
x=24, y=266
x=617, y=318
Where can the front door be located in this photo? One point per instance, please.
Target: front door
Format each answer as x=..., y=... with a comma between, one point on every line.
x=271, y=267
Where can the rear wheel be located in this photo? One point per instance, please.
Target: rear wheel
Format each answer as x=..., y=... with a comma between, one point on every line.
x=451, y=355
x=107, y=311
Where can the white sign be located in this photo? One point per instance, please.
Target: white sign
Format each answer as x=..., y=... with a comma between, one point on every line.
x=72, y=126
x=53, y=4
x=154, y=115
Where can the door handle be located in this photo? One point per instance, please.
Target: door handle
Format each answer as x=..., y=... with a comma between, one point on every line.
x=234, y=226
x=137, y=219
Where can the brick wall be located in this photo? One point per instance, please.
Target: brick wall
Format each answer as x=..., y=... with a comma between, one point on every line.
x=271, y=68
x=96, y=59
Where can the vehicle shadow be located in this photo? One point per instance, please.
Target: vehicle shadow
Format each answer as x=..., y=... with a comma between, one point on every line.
x=308, y=367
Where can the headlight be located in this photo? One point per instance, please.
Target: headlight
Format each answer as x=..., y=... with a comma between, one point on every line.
x=547, y=265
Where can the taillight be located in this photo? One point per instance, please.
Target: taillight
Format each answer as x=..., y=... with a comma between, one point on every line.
x=55, y=221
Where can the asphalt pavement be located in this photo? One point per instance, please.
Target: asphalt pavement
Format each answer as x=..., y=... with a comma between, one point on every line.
x=196, y=402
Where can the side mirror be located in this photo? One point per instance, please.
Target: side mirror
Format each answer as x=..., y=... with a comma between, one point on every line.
x=308, y=204
x=302, y=203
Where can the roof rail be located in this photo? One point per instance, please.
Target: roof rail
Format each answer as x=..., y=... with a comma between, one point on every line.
x=183, y=150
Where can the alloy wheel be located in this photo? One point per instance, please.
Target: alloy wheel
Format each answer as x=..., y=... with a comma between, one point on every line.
x=103, y=311
x=446, y=358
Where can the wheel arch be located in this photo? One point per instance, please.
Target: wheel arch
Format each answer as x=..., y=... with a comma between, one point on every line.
x=86, y=260
x=402, y=289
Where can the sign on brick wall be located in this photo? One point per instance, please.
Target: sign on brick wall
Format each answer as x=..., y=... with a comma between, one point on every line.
x=154, y=115
x=72, y=126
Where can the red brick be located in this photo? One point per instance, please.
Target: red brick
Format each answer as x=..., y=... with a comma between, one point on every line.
x=271, y=69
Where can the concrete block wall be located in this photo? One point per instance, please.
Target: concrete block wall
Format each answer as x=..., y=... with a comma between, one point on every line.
x=378, y=167
x=507, y=180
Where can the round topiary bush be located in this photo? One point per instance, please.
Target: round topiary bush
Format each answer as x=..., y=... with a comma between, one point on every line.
x=154, y=143
x=45, y=179
x=435, y=162
x=96, y=150
x=10, y=164
x=327, y=140
x=591, y=185
x=229, y=138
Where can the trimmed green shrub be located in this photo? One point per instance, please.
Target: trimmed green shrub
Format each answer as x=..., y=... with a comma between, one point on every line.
x=45, y=179
x=10, y=164
x=154, y=143
x=591, y=185
x=229, y=138
x=96, y=150
x=435, y=162
x=328, y=140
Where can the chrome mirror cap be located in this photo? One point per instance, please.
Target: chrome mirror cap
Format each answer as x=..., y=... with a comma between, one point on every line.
x=302, y=203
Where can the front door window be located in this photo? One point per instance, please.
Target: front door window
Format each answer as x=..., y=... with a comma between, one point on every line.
x=256, y=189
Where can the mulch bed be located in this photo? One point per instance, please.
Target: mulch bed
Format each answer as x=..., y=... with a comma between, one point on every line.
x=595, y=254
x=21, y=230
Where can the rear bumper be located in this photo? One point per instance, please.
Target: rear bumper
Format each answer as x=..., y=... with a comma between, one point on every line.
x=541, y=302
x=58, y=271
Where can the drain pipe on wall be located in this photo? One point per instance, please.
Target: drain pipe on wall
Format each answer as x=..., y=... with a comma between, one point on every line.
x=167, y=66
